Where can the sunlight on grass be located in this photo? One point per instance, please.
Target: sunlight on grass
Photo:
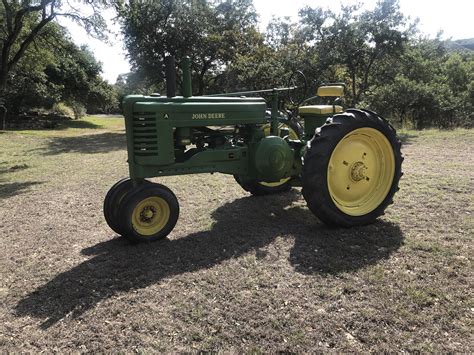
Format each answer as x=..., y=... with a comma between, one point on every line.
x=434, y=133
x=106, y=122
x=235, y=267
x=78, y=127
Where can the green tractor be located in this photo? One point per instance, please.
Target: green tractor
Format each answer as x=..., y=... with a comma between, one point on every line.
x=348, y=163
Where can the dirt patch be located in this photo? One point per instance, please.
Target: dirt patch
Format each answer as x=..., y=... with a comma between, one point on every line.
x=239, y=273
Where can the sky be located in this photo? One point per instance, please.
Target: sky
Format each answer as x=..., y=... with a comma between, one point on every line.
x=453, y=17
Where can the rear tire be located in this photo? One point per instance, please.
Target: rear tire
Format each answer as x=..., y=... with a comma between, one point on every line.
x=260, y=188
x=352, y=168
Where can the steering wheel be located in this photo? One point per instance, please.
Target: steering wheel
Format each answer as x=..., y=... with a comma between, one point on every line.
x=297, y=87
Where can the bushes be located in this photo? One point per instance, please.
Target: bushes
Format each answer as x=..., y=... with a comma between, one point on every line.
x=432, y=88
x=78, y=109
x=64, y=110
x=73, y=109
x=58, y=75
x=421, y=105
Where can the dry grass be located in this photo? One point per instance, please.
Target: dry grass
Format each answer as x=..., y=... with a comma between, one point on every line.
x=238, y=273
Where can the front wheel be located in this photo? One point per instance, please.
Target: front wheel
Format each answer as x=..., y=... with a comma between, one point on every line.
x=112, y=200
x=148, y=213
x=352, y=168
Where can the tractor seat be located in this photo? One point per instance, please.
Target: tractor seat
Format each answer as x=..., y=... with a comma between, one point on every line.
x=324, y=91
x=319, y=109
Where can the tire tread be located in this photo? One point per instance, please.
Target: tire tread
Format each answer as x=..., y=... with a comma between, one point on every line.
x=320, y=148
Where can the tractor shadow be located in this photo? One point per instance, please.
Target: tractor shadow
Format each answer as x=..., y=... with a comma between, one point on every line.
x=242, y=226
x=406, y=138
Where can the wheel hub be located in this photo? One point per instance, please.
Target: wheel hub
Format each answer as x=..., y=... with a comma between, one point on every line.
x=358, y=171
x=147, y=214
x=150, y=215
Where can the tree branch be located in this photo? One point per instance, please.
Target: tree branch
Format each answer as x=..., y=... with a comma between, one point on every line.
x=27, y=41
x=8, y=15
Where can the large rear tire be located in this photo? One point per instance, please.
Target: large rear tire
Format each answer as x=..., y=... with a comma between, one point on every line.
x=352, y=168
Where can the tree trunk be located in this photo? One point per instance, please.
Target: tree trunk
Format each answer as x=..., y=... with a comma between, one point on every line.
x=354, y=89
x=200, y=86
x=3, y=108
x=4, y=67
x=3, y=83
x=3, y=90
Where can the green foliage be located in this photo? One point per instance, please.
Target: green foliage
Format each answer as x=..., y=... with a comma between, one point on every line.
x=72, y=73
x=63, y=109
x=378, y=53
x=102, y=97
x=386, y=64
x=40, y=66
x=428, y=87
x=258, y=68
x=211, y=33
x=360, y=42
x=24, y=22
x=78, y=109
x=56, y=70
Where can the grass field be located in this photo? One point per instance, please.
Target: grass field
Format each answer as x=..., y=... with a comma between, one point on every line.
x=239, y=273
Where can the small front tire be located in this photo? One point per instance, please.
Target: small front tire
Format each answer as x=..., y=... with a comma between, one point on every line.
x=148, y=214
x=112, y=200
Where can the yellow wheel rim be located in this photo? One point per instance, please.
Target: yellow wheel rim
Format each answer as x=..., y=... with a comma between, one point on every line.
x=361, y=171
x=292, y=135
x=150, y=216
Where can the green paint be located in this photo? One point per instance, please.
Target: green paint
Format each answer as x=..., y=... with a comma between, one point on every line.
x=176, y=136
x=187, y=86
x=311, y=122
x=205, y=134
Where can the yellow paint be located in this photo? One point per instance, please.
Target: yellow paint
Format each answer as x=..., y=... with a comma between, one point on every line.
x=320, y=109
x=332, y=91
x=361, y=171
x=150, y=216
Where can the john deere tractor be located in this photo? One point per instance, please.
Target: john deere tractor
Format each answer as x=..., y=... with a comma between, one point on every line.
x=348, y=163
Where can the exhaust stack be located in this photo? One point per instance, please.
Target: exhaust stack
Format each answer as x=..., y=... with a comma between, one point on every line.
x=170, y=74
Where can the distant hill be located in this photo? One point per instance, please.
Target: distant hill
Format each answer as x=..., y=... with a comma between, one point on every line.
x=461, y=44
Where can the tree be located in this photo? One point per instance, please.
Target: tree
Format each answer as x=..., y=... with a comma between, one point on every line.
x=135, y=83
x=76, y=73
x=269, y=59
x=211, y=32
x=359, y=41
x=55, y=70
x=22, y=22
x=257, y=69
x=427, y=86
x=102, y=97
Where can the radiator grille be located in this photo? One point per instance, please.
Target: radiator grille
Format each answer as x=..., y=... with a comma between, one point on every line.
x=145, y=141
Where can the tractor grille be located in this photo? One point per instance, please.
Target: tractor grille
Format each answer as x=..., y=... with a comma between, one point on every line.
x=144, y=134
